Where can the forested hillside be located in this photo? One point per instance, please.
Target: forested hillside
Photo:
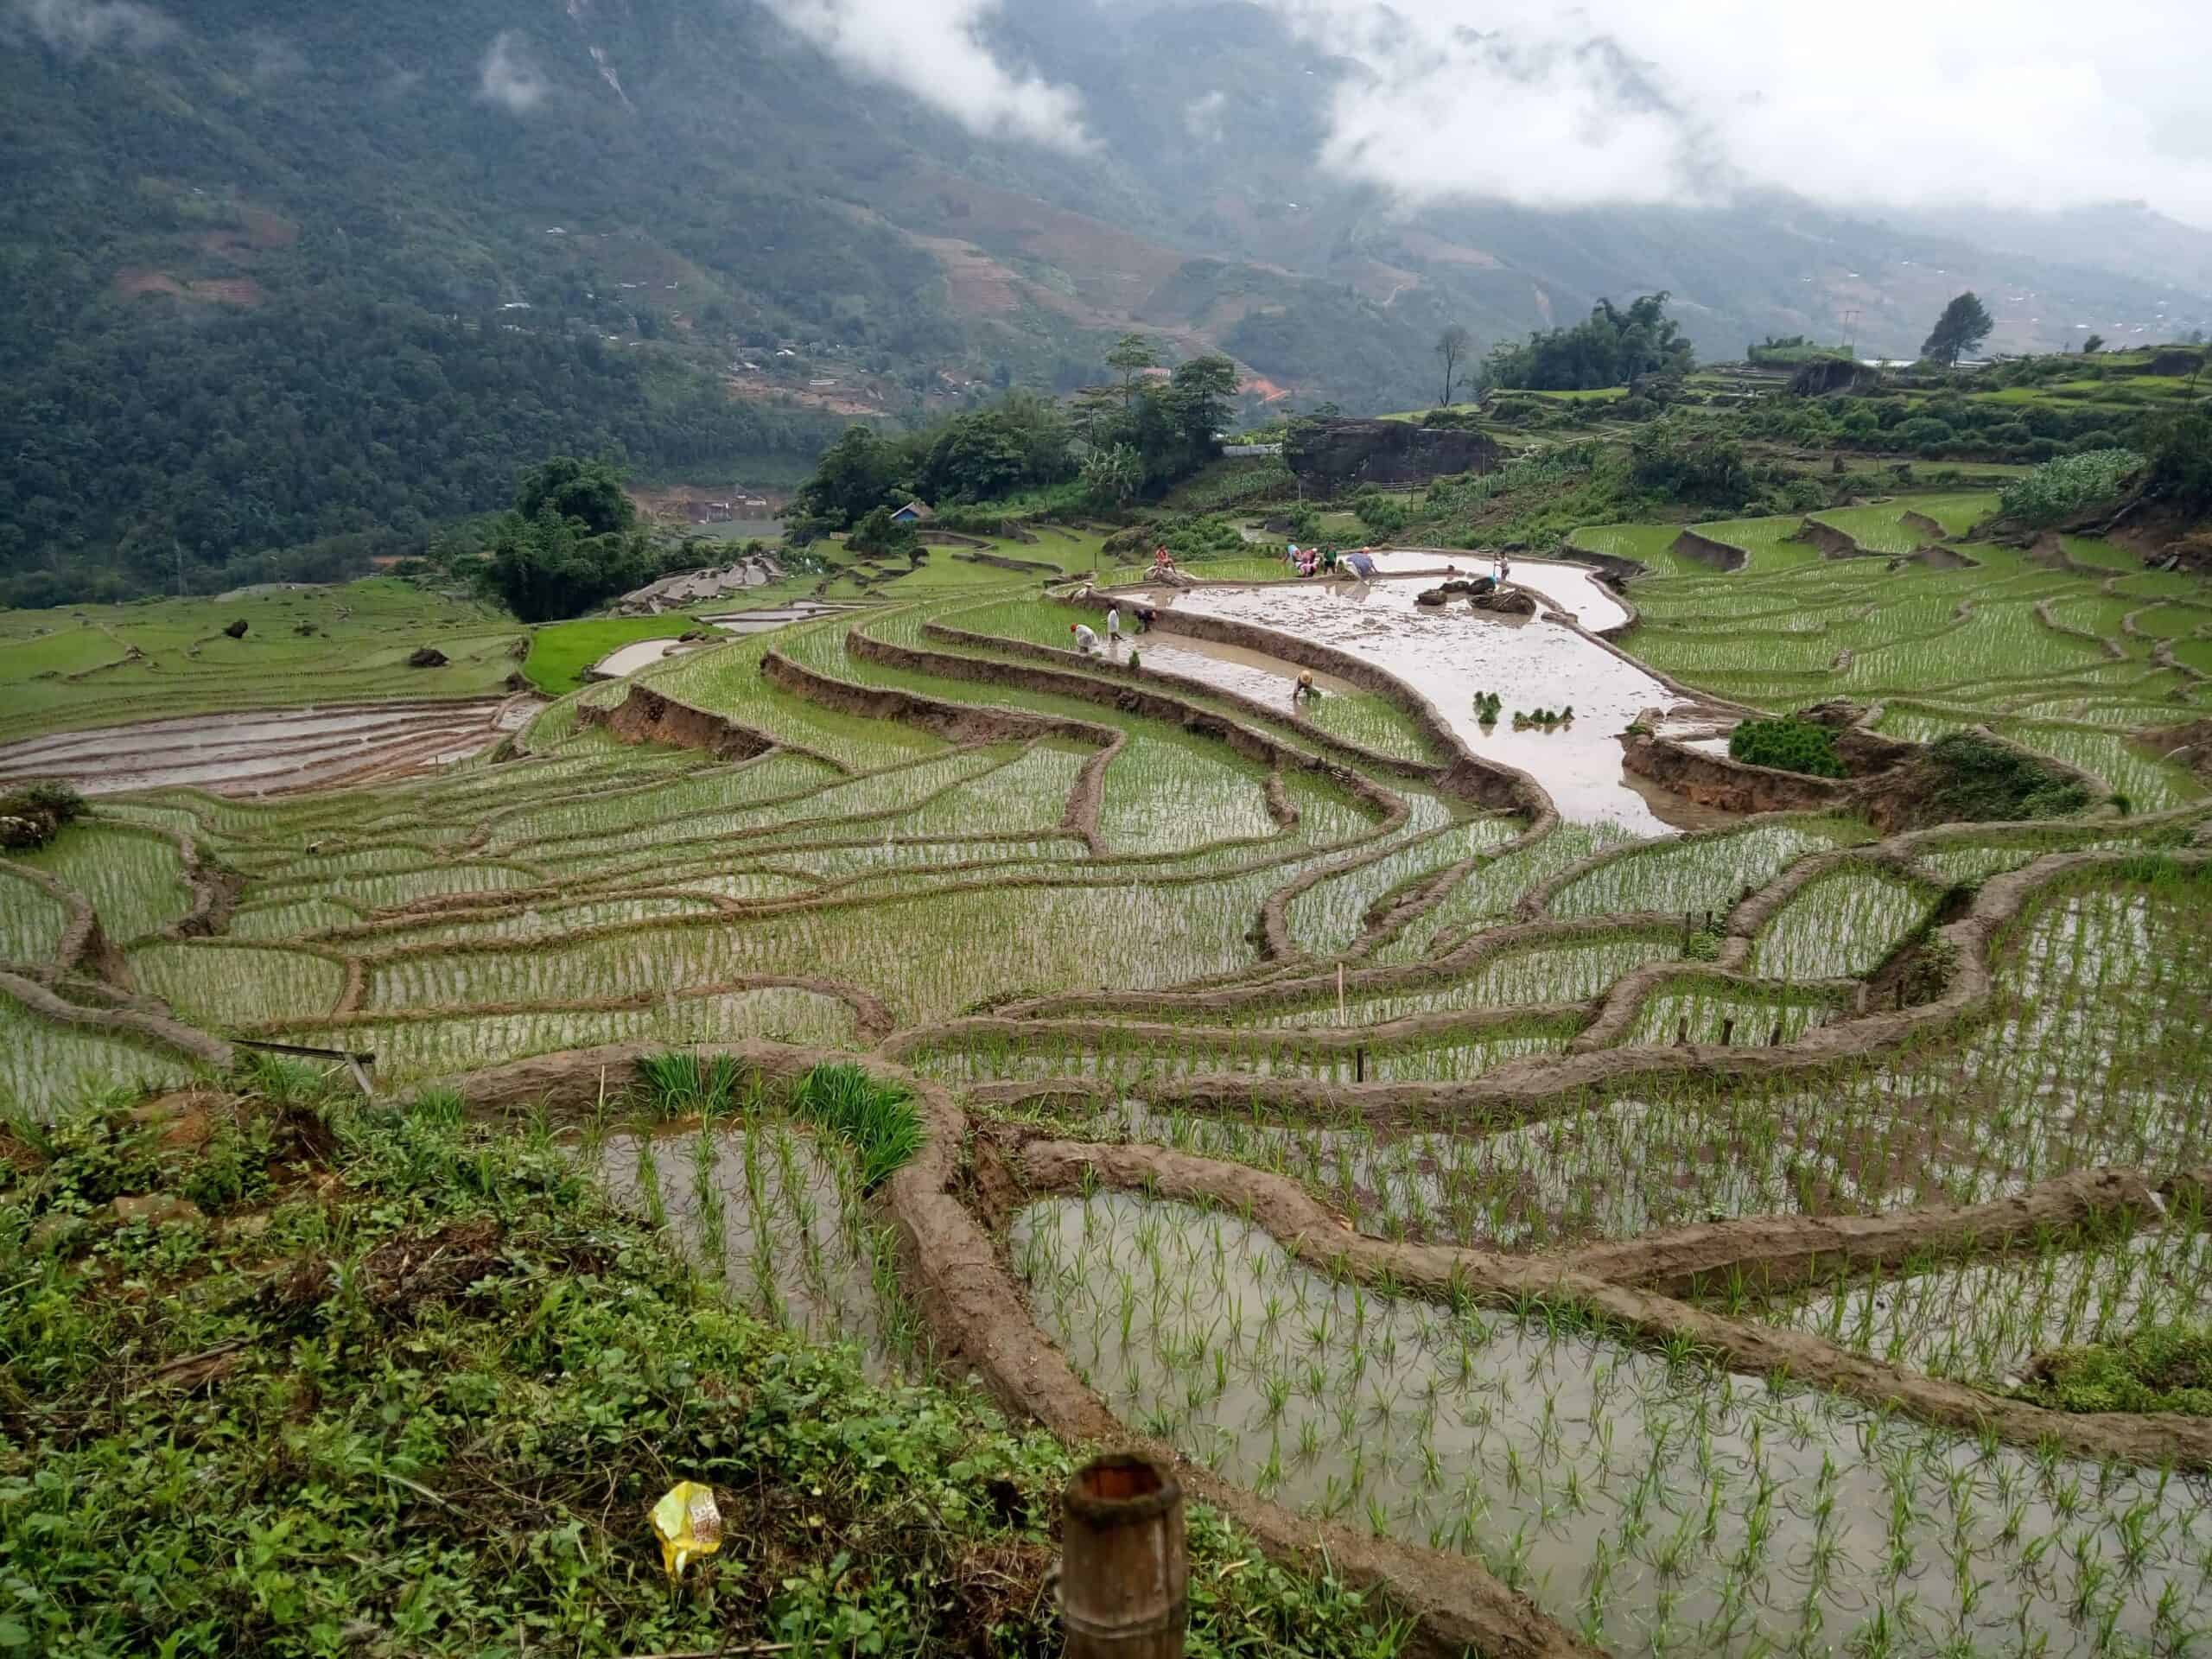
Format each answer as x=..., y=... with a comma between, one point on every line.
x=288, y=285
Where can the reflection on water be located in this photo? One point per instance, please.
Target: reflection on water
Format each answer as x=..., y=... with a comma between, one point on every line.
x=1450, y=654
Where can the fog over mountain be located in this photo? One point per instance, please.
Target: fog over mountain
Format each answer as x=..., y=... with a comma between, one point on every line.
x=281, y=273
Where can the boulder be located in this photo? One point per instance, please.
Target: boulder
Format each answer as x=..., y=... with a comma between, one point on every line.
x=155, y=1208
x=1825, y=376
x=237, y=630
x=427, y=656
x=1432, y=597
x=1332, y=455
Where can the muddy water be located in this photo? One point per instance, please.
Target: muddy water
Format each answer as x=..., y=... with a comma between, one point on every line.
x=1450, y=654
x=618, y=664
x=274, y=749
x=768, y=1211
x=767, y=621
x=1573, y=588
x=1232, y=668
x=1657, y=1508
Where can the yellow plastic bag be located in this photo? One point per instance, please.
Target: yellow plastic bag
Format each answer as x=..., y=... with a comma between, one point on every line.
x=688, y=1524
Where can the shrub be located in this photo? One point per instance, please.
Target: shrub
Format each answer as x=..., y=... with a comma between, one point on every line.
x=1385, y=515
x=875, y=533
x=1786, y=745
x=2093, y=438
x=1926, y=435
x=2181, y=460
x=2159, y=1368
x=1977, y=780
x=34, y=814
x=2059, y=488
x=1670, y=459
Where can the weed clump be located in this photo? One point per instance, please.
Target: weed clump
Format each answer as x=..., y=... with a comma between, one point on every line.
x=682, y=1085
x=1786, y=745
x=1977, y=780
x=2159, y=1368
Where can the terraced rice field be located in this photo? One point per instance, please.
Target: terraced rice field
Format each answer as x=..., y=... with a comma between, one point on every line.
x=1645, y=1216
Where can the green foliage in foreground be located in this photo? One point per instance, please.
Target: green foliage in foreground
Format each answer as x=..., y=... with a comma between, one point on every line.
x=876, y=1119
x=422, y=1386
x=2061, y=487
x=1979, y=781
x=1788, y=745
x=2159, y=1367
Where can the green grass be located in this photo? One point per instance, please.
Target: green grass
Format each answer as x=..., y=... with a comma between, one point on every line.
x=432, y=1391
x=561, y=652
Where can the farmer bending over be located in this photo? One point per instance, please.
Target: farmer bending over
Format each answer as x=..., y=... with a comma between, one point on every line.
x=1305, y=688
x=1085, y=641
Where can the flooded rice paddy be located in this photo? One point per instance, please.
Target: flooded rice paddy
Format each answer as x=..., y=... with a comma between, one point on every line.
x=1450, y=654
x=1649, y=1504
x=958, y=843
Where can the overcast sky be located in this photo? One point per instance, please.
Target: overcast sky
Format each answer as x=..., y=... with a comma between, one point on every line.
x=1897, y=102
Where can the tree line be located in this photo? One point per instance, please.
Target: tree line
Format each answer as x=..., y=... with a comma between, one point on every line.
x=1113, y=444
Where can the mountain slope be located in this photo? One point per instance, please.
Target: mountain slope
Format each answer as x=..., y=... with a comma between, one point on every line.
x=282, y=275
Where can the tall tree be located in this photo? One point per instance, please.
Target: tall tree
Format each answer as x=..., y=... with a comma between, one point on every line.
x=1197, y=399
x=589, y=491
x=1966, y=322
x=1612, y=348
x=1452, y=345
x=1132, y=355
x=858, y=471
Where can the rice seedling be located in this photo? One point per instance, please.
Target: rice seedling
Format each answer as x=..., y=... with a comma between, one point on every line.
x=32, y=921
x=228, y=986
x=1711, y=1505
x=133, y=880
x=45, y=1065
x=878, y=1119
x=1842, y=924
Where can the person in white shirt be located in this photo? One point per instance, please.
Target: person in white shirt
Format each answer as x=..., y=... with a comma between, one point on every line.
x=1112, y=625
x=1085, y=641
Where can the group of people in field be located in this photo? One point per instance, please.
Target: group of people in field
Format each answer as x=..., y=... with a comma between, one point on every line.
x=1312, y=561
x=1086, y=639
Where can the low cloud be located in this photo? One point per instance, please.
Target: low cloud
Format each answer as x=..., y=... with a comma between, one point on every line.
x=270, y=59
x=1202, y=116
x=2024, y=103
x=935, y=50
x=510, y=78
x=87, y=26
